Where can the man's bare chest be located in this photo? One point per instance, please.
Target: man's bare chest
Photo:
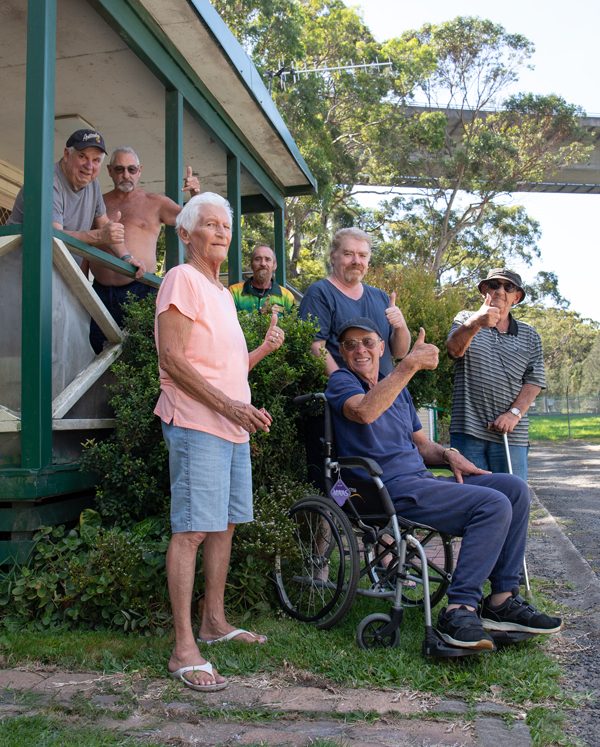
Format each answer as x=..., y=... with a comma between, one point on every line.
x=141, y=215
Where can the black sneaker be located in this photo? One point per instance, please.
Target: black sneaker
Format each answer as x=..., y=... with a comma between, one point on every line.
x=518, y=615
x=462, y=627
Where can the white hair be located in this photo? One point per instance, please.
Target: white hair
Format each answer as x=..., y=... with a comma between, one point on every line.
x=72, y=150
x=123, y=149
x=190, y=215
x=339, y=237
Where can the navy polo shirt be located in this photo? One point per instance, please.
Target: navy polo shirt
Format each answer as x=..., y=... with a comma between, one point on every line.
x=388, y=440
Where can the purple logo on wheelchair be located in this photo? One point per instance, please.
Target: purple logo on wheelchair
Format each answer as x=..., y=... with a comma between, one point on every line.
x=340, y=493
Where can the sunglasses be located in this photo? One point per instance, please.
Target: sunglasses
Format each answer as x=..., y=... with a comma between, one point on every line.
x=121, y=169
x=368, y=342
x=495, y=284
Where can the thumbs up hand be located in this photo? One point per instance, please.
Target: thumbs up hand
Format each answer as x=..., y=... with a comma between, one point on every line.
x=112, y=232
x=423, y=355
x=191, y=183
x=487, y=315
x=275, y=335
x=393, y=314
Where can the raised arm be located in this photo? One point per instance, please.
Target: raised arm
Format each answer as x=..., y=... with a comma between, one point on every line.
x=110, y=234
x=365, y=408
x=273, y=340
x=400, y=337
x=169, y=210
x=459, y=340
x=319, y=349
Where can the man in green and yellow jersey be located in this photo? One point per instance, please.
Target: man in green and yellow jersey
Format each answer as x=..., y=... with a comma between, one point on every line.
x=261, y=291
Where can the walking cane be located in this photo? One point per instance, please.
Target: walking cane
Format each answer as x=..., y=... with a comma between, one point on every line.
x=527, y=593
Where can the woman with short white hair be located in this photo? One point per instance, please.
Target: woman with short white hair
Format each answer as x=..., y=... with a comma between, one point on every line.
x=206, y=418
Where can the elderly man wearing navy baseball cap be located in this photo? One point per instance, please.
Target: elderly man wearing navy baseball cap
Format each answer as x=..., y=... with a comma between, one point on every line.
x=78, y=207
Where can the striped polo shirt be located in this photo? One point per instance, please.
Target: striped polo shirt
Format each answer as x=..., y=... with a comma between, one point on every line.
x=490, y=375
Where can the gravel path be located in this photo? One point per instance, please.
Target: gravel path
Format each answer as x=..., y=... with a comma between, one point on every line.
x=565, y=478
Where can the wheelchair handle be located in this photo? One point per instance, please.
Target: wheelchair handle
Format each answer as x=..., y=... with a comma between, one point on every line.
x=302, y=399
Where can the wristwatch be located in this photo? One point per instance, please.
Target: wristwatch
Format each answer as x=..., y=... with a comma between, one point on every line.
x=516, y=411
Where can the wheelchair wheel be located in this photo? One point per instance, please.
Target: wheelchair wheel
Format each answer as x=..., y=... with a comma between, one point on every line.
x=440, y=564
x=367, y=634
x=317, y=577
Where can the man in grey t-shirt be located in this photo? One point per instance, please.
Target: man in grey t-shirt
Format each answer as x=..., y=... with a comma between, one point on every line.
x=78, y=208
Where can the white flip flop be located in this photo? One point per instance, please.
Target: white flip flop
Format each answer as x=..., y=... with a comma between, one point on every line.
x=233, y=634
x=178, y=675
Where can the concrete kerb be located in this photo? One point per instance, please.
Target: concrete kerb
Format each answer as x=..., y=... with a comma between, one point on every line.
x=556, y=558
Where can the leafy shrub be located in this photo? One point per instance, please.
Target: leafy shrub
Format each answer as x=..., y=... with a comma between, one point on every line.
x=94, y=577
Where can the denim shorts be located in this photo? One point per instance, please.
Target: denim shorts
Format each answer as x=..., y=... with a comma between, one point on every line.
x=211, y=480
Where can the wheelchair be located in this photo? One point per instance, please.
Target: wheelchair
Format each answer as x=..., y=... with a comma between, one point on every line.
x=356, y=545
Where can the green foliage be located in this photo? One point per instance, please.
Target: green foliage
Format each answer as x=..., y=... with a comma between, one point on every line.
x=91, y=578
x=489, y=147
x=410, y=230
x=424, y=304
x=568, y=340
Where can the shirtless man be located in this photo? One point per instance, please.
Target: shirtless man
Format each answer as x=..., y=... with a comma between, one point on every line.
x=142, y=214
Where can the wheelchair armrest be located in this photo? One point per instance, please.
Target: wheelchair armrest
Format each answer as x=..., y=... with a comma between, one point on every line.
x=440, y=465
x=370, y=465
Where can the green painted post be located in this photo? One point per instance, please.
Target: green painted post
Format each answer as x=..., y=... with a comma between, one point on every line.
x=235, y=200
x=36, y=351
x=173, y=169
x=279, y=221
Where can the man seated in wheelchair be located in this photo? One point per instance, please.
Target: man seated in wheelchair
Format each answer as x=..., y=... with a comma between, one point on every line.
x=374, y=417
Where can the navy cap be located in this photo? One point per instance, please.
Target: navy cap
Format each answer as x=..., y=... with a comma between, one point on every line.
x=359, y=322
x=86, y=139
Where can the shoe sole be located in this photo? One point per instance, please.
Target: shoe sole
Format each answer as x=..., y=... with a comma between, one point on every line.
x=516, y=628
x=483, y=645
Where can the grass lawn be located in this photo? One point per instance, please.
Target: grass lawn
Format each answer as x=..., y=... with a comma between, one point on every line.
x=54, y=731
x=524, y=675
x=555, y=427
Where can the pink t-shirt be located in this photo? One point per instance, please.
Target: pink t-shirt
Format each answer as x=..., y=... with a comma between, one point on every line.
x=216, y=349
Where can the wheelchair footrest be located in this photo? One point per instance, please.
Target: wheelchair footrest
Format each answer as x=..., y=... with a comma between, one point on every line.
x=506, y=637
x=435, y=645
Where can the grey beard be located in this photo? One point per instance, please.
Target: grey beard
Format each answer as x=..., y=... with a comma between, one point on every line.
x=125, y=186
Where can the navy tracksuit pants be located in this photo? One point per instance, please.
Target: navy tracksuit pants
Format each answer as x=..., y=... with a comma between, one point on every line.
x=490, y=513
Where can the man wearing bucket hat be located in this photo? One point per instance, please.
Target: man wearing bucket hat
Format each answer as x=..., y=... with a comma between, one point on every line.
x=77, y=206
x=498, y=372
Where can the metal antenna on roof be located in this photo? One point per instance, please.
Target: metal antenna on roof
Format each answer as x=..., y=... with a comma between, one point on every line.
x=284, y=71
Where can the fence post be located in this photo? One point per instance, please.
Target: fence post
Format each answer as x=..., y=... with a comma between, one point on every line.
x=568, y=414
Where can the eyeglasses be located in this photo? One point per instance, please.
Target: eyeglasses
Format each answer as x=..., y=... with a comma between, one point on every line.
x=368, y=342
x=495, y=284
x=121, y=169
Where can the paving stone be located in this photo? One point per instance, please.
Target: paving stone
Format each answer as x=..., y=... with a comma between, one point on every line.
x=105, y=699
x=14, y=679
x=450, y=706
x=200, y=734
x=67, y=683
x=493, y=708
x=303, y=699
x=175, y=706
x=493, y=732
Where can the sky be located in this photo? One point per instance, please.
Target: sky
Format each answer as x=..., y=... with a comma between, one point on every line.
x=565, y=62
